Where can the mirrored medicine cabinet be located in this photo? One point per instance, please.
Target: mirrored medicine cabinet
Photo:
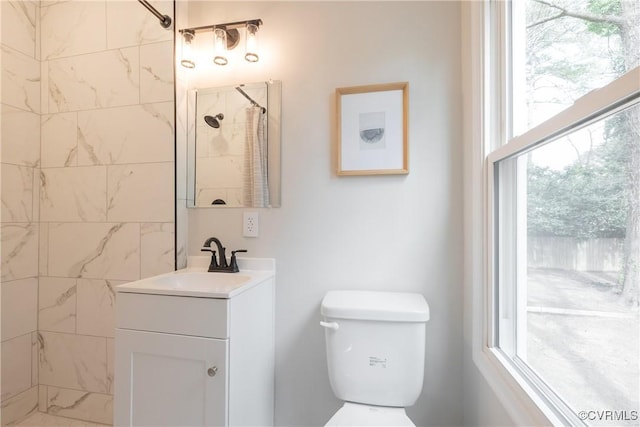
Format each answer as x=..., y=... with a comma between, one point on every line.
x=234, y=145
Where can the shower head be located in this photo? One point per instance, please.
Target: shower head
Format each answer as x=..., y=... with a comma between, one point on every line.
x=213, y=121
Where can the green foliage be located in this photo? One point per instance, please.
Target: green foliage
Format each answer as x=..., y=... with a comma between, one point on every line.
x=587, y=199
x=604, y=8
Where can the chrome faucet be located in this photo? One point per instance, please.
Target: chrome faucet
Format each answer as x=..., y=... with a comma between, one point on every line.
x=221, y=266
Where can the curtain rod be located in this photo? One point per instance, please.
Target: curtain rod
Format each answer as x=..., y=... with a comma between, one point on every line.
x=165, y=20
x=254, y=103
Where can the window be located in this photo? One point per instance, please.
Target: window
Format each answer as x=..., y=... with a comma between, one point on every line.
x=562, y=49
x=564, y=205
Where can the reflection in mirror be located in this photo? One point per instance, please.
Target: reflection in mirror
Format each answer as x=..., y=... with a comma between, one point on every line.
x=234, y=146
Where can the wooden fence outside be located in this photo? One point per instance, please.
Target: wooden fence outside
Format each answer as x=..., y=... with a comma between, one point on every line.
x=567, y=253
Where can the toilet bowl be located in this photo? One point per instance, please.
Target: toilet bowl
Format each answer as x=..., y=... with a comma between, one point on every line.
x=375, y=344
x=356, y=414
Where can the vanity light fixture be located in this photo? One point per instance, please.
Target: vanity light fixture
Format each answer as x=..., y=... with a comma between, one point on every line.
x=251, y=48
x=220, y=46
x=225, y=38
x=187, y=51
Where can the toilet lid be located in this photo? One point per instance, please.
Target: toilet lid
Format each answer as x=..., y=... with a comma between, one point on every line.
x=355, y=414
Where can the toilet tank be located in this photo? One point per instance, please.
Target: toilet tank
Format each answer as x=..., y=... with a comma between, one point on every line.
x=375, y=346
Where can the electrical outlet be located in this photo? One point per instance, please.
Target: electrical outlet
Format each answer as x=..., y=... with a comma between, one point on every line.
x=250, y=224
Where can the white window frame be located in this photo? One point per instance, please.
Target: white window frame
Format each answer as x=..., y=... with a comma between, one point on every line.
x=487, y=119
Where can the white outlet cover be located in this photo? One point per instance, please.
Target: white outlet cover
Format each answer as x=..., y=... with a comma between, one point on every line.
x=250, y=224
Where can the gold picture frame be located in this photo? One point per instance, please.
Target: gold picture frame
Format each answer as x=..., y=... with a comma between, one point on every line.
x=372, y=123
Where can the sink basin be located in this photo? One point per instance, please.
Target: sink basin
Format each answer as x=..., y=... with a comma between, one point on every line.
x=197, y=283
x=198, y=280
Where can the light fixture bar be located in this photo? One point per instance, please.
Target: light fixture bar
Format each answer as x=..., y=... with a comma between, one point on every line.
x=225, y=37
x=226, y=26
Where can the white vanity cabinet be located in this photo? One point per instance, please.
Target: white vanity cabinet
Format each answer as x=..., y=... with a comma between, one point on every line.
x=187, y=360
x=168, y=382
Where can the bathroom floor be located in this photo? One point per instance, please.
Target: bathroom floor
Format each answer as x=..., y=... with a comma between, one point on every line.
x=40, y=419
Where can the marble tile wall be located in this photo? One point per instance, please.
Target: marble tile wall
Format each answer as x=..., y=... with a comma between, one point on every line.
x=88, y=197
x=181, y=102
x=19, y=213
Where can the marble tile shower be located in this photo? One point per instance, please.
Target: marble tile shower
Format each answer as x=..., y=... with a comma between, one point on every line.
x=19, y=216
x=87, y=164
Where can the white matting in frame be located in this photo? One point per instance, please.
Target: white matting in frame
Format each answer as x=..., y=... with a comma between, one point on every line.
x=372, y=129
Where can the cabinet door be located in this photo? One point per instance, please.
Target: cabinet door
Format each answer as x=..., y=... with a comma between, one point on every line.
x=169, y=380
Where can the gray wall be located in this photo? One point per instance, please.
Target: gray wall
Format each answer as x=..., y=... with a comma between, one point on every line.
x=394, y=233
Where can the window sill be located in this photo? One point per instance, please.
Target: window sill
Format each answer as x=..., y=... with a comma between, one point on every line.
x=518, y=398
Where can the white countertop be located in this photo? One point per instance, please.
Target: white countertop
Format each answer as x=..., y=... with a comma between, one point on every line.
x=195, y=281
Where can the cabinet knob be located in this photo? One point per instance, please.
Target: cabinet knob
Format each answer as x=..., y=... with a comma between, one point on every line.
x=212, y=371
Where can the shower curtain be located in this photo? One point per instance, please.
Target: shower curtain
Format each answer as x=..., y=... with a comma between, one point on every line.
x=256, y=187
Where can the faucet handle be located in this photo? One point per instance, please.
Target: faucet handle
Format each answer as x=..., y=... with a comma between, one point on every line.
x=214, y=262
x=234, y=261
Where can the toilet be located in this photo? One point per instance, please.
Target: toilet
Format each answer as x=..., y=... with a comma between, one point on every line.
x=375, y=354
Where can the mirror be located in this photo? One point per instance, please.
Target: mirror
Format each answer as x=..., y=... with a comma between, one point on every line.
x=234, y=146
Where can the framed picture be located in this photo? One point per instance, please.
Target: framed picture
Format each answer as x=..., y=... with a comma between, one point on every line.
x=372, y=129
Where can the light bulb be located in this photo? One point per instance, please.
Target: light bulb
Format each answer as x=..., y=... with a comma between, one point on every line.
x=187, y=53
x=251, y=48
x=220, y=46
